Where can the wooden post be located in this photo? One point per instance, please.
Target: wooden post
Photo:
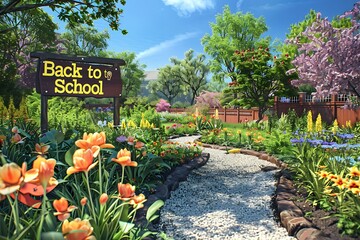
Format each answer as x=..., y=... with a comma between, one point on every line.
x=238, y=115
x=225, y=114
x=44, y=124
x=116, y=111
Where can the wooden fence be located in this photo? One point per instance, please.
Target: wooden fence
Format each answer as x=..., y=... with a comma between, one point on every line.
x=330, y=108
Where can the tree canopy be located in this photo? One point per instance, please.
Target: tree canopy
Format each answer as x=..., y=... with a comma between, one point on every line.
x=73, y=12
x=192, y=72
x=261, y=77
x=166, y=85
x=231, y=32
x=83, y=40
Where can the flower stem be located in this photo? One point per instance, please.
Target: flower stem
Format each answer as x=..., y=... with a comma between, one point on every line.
x=122, y=173
x=100, y=174
x=90, y=198
x=43, y=212
x=15, y=211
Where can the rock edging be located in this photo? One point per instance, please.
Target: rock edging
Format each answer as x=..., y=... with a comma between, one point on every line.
x=290, y=216
x=163, y=191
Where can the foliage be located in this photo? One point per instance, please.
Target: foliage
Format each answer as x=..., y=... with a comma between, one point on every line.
x=191, y=71
x=329, y=59
x=66, y=113
x=166, y=85
x=162, y=106
x=73, y=12
x=231, y=32
x=257, y=81
x=84, y=41
x=26, y=32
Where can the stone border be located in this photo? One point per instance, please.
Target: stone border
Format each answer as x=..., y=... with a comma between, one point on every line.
x=163, y=191
x=290, y=216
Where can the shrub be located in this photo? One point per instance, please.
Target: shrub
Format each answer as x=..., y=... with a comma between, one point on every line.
x=162, y=106
x=210, y=99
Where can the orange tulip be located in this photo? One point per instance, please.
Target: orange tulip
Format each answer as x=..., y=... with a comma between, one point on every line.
x=12, y=177
x=138, y=201
x=77, y=230
x=16, y=138
x=83, y=201
x=124, y=158
x=83, y=161
x=63, y=210
x=103, y=198
x=41, y=149
x=126, y=191
x=93, y=139
x=46, y=169
x=139, y=144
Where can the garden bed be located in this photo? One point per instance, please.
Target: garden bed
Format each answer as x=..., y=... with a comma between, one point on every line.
x=316, y=223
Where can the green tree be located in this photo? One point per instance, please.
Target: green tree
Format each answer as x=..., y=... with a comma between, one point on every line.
x=192, y=72
x=166, y=85
x=28, y=31
x=261, y=77
x=72, y=11
x=132, y=74
x=83, y=40
x=231, y=32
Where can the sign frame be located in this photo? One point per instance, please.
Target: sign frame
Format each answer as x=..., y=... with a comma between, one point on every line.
x=111, y=63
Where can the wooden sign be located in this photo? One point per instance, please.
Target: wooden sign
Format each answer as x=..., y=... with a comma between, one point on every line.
x=74, y=76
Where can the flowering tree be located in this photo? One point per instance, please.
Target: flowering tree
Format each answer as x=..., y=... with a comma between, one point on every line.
x=210, y=99
x=329, y=60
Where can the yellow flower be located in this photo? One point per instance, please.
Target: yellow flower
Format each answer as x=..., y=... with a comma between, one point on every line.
x=354, y=172
x=318, y=124
x=123, y=124
x=335, y=127
x=309, y=122
x=348, y=124
x=235, y=150
x=216, y=113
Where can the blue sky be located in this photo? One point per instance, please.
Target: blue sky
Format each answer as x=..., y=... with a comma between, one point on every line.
x=161, y=29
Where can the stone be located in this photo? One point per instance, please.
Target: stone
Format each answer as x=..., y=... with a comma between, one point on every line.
x=162, y=192
x=283, y=205
x=308, y=234
x=297, y=223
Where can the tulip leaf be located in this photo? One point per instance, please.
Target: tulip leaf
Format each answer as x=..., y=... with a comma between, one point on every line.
x=153, y=209
x=69, y=155
x=52, y=236
x=53, y=136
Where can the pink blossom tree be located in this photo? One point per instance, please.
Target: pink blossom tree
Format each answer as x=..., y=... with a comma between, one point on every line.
x=329, y=60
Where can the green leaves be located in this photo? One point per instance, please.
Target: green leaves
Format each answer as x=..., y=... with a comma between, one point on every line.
x=153, y=209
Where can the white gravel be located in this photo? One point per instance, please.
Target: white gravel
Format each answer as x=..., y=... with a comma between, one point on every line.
x=228, y=198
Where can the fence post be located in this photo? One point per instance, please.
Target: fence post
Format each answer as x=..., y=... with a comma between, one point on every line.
x=224, y=114
x=238, y=115
x=333, y=105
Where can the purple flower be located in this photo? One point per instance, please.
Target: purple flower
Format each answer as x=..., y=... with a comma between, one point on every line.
x=346, y=136
x=121, y=139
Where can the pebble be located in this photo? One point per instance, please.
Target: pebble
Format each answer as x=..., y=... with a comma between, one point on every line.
x=228, y=198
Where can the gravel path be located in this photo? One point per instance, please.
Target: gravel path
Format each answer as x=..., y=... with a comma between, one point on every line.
x=228, y=198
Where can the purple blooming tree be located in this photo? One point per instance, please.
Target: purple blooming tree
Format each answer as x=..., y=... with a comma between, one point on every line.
x=329, y=60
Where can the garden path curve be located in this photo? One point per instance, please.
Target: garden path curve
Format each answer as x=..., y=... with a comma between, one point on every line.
x=228, y=198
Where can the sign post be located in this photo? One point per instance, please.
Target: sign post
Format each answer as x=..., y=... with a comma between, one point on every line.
x=74, y=76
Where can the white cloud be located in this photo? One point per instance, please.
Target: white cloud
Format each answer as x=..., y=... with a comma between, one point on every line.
x=239, y=4
x=166, y=44
x=186, y=7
